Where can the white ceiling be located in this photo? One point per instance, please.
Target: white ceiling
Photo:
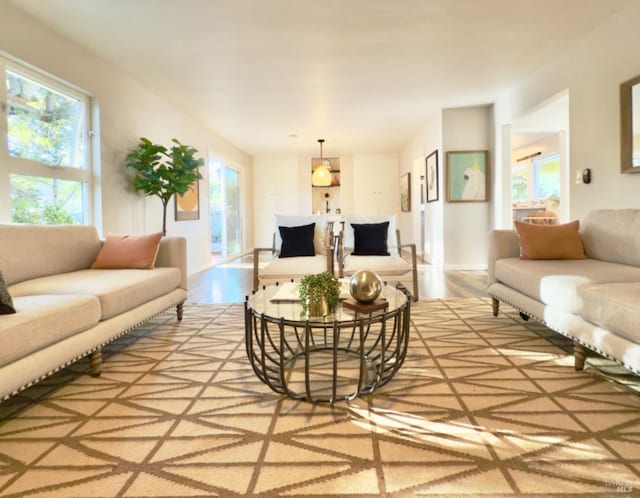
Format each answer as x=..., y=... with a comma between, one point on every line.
x=363, y=74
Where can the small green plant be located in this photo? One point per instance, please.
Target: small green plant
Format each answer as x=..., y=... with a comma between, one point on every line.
x=164, y=172
x=315, y=288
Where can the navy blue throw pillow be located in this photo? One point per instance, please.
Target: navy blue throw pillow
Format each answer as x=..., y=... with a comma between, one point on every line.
x=297, y=241
x=370, y=239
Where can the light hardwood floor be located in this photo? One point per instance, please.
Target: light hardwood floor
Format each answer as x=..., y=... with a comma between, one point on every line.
x=231, y=281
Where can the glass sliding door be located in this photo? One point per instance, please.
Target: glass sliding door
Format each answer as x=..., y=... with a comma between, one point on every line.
x=224, y=209
x=232, y=211
x=215, y=206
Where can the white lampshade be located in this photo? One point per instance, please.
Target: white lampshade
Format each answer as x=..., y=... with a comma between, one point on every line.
x=321, y=176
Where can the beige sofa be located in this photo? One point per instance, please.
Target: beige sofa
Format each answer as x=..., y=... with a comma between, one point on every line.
x=64, y=310
x=594, y=301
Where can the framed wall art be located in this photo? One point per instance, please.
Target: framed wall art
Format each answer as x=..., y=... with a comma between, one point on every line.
x=187, y=206
x=405, y=192
x=432, y=176
x=468, y=176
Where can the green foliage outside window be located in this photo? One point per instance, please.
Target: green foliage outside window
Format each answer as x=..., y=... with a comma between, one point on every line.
x=45, y=126
x=45, y=201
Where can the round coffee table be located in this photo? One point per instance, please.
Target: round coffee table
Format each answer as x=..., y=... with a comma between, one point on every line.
x=326, y=359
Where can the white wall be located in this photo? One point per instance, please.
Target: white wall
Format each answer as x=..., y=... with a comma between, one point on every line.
x=466, y=224
x=127, y=112
x=591, y=71
x=414, y=153
x=369, y=184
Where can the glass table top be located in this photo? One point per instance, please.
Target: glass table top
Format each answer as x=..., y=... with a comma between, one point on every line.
x=281, y=302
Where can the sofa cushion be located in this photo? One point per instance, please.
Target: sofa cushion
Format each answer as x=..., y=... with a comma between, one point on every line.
x=350, y=219
x=370, y=239
x=297, y=241
x=287, y=268
x=44, y=320
x=550, y=241
x=31, y=251
x=556, y=282
x=614, y=307
x=319, y=237
x=128, y=251
x=613, y=235
x=382, y=265
x=117, y=290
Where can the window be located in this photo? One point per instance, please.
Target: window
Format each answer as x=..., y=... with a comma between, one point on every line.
x=546, y=176
x=47, y=149
x=535, y=180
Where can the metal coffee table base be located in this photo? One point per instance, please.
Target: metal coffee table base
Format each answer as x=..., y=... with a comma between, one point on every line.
x=321, y=361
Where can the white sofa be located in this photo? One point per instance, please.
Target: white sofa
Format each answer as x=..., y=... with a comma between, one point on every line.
x=64, y=310
x=594, y=301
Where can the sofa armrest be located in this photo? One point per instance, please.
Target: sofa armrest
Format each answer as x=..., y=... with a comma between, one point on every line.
x=502, y=244
x=173, y=253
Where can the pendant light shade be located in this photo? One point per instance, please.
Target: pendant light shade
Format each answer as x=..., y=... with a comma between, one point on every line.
x=321, y=176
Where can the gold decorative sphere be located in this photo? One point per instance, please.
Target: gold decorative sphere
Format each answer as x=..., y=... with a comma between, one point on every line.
x=365, y=286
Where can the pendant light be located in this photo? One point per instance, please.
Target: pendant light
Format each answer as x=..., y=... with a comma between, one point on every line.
x=321, y=176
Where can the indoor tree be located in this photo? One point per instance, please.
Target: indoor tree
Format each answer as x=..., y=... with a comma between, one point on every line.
x=164, y=172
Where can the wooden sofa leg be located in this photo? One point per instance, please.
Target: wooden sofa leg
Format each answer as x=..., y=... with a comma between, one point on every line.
x=180, y=310
x=580, y=355
x=95, y=360
x=495, y=304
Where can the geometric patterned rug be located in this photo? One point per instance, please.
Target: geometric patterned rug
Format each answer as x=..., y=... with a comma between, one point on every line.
x=482, y=406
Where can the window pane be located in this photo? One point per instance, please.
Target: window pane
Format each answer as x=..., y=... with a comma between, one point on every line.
x=547, y=177
x=43, y=124
x=46, y=201
x=520, y=182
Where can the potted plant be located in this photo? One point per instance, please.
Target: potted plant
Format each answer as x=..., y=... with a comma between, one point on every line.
x=164, y=172
x=319, y=294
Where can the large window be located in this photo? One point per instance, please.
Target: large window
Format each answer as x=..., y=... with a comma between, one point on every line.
x=45, y=158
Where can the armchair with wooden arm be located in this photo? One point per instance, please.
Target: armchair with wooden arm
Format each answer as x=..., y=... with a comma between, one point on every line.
x=291, y=256
x=373, y=243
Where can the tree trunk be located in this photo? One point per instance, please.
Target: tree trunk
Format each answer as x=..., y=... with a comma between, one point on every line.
x=164, y=217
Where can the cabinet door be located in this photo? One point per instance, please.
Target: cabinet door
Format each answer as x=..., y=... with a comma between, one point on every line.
x=275, y=187
x=376, y=184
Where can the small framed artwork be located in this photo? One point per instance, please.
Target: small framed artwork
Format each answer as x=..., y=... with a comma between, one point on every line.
x=432, y=176
x=468, y=176
x=188, y=205
x=405, y=192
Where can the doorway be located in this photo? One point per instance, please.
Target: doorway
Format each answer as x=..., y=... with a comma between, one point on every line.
x=224, y=210
x=540, y=163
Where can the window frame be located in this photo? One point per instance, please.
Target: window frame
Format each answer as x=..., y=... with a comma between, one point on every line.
x=10, y=165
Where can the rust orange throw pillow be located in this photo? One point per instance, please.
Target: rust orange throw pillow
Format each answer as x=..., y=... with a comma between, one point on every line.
x=550, y=241
x=128, y=251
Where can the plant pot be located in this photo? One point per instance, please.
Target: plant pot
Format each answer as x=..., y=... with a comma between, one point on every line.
x=319, y=307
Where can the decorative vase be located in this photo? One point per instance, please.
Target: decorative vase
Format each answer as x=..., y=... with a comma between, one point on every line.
x=365, y=286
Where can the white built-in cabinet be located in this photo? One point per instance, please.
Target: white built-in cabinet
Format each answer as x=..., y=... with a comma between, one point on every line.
x=275, y=191
x=376, y=184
